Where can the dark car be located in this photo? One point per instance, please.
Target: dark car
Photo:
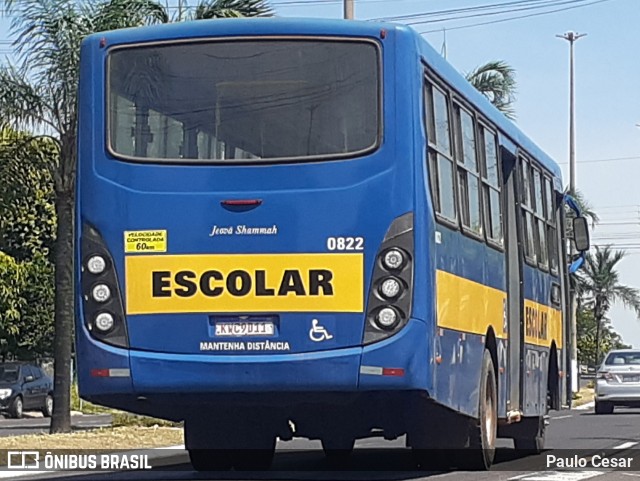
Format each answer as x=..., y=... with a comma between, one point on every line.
x=24, y=387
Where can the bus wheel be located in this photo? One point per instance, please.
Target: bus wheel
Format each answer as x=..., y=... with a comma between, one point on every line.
x=533, y=435
x=338, y=449
x=255, y=459
x=210, y=459
x=482, y=436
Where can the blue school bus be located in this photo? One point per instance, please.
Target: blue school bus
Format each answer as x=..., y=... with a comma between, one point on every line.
x=314, y=228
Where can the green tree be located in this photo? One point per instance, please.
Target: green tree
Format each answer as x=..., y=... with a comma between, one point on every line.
x=27, y=234
x=585, y=208
x=40, y=93
x=35, y=339
x=11, y=303
x=496, y=80
x=231, y=9
x=599, y=287
x=27, y=211
x=609, y=339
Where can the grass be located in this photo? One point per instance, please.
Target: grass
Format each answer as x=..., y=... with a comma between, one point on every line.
x=583, y=396
x=98, y=441
x=120, y=418
x=101, y=438
x=129, y=431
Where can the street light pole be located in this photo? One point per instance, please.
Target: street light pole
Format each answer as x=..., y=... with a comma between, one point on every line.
x=571, y=37
x=348, y=9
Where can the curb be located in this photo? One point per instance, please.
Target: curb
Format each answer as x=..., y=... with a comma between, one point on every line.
x=584, y=407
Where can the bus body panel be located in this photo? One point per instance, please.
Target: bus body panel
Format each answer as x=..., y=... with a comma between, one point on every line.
x=306, y=203
x=100, y=356
x=541, y=335
x=470, y=296
x=459, y=282
x=305, y=221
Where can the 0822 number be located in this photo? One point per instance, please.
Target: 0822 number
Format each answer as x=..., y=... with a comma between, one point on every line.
x=345, y=243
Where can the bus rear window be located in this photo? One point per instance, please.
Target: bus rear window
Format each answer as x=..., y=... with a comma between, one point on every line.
x=244, y=100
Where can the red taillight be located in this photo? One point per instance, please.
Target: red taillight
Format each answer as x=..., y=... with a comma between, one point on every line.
x=99, y=373
x=390, y=371
x=607, y=376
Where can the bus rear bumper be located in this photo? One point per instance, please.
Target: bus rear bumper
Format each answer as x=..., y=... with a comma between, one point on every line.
x=398, y=363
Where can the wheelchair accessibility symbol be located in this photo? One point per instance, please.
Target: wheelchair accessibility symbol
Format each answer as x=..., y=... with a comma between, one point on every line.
x=319, y=333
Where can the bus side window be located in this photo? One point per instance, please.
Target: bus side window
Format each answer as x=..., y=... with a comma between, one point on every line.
x=527, y=211
x=491, y=186
x=468, y=171
x=440, y=153
x=552, y=241
x=540, y=219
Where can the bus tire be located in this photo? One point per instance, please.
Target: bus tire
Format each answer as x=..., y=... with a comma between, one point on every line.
x=437, y=437
x=533, y=437
x=483, y=433
x=255, y=459
x=210, y=459
x=338, y=450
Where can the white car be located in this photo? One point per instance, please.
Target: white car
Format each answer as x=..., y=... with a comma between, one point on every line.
x=618, y=381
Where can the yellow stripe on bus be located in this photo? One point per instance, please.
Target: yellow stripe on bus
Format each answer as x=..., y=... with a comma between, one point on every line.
x=468, y=306
x=542, y=324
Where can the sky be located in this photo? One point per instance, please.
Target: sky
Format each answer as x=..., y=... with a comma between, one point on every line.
x=607, y=73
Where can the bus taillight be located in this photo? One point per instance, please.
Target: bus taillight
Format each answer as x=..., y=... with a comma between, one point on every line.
x=101, y=295
x=389, y=304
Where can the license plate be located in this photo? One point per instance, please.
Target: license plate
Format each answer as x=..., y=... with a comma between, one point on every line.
x=244, y=329
x=631, y=379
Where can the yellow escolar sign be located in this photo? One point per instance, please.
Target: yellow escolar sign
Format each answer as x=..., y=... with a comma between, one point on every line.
x=141, y=241
x=244, y=283
x=542, y=324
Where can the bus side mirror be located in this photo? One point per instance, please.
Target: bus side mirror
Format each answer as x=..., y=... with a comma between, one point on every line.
x=581, y=234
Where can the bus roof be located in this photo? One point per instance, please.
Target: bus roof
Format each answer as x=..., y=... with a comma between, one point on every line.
x=350, y=28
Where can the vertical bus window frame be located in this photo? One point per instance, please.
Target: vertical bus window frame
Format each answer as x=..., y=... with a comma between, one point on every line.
x=527, y=210
x=435, y=153
x=483, y=131
x=540, y=218
x=552, y=240
x=463, y=171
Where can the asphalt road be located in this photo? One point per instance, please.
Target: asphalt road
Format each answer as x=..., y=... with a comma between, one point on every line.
x=379, y=460
x=36, y=425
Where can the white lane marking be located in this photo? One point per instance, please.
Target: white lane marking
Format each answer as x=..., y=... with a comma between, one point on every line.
x=589, y=405
x=563, y=417
x=557, y=476
x=626, y=445
x=15, y=474
x=631, y=474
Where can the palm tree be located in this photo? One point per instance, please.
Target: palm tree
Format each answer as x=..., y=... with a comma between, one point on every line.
x=585, y=208
x=496, y=81
x=599, y=287
x=232, y=9
x=39, y=92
